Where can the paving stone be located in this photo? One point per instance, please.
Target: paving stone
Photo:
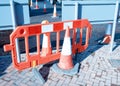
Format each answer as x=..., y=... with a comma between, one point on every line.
x=53, y=83
x=114, y=80
x=106, y=77
x=96, y=81
x=104, y=73
x=89, y=83
x=87, y=76
x=74, y=79
x=26, y=80
x=7, y=79
x=46, y=84
x=3, y=83
x=67, y=81
x=60, y=82
x=21, y=84
x=18, y=81
x=92, y=75
x=80, y=83
x=108, y=82
x=99, y=73
x=95, y=84
x=102, y=83
x=71, y=84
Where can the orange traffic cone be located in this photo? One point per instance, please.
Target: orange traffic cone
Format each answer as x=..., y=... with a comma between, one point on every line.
x=107, y=37
x=65, y=61
x=65, y=65
x=36, y=7
x=31, y=3
x=45, y=7
x=46, y=44
x=54, y=11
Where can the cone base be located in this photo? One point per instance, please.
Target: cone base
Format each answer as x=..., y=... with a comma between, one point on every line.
x=70, y=72
x=55, y=16
x=106, y=40
x=36, y=7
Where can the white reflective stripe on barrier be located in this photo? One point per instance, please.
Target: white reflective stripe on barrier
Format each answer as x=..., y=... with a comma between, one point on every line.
x=68, y=24
x=47, y=28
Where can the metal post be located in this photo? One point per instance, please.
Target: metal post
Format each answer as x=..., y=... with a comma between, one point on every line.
x=114, y=25
x=12, y=5
x=76, y=10
x=109, y=29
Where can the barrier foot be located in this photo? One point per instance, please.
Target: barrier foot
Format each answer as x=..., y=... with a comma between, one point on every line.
x=38, y=75
x=70, y=72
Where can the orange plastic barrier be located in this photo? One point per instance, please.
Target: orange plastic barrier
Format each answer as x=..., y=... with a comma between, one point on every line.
x=37, y=30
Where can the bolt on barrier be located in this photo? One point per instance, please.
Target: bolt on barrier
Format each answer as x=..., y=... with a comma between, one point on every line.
x=39, y=29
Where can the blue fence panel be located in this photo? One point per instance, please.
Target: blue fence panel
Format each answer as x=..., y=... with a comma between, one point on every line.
x=94, y=11
x=21, y=11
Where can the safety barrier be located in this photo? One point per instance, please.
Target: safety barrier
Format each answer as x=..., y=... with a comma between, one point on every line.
x=38, y=29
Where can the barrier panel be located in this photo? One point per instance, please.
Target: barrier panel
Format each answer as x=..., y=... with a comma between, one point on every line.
x=91, y=10
x=38, y=29
x=21, y=13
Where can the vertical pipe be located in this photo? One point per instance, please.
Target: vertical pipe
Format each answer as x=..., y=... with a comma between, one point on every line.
x=76, y=10
x=114, y=25
x=76, y=17
x=27, y=47
x=38, y=44
x=12, y=5
x=109, y=29
x=58, y=42
x=81, y=32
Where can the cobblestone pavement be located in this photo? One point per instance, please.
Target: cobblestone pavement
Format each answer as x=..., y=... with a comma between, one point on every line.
x=98, y=66
x=95, y=70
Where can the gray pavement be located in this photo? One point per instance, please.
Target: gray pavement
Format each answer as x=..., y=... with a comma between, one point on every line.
x=98, y=66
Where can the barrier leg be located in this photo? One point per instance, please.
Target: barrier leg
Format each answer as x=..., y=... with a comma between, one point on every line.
x=37, y=74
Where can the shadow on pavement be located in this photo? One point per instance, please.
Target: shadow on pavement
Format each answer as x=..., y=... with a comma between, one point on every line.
x=5, y=62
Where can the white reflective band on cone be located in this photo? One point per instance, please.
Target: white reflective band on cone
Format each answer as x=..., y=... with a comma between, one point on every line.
x=45, y=41
x=66, y=49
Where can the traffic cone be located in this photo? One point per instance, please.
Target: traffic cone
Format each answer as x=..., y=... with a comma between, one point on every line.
x=31, y=3
x=54, y=12
x=36, y=7
x=45, y=7
x=65, y=65
x=65, y=61
x=46, y=44
x=107, y=37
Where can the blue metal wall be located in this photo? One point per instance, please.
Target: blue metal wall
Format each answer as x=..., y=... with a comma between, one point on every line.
x=21, y=11
x=96, y=11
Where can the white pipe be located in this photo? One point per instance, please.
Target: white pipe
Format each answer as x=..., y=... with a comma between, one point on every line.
x=12, y=5
x=114, y=25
